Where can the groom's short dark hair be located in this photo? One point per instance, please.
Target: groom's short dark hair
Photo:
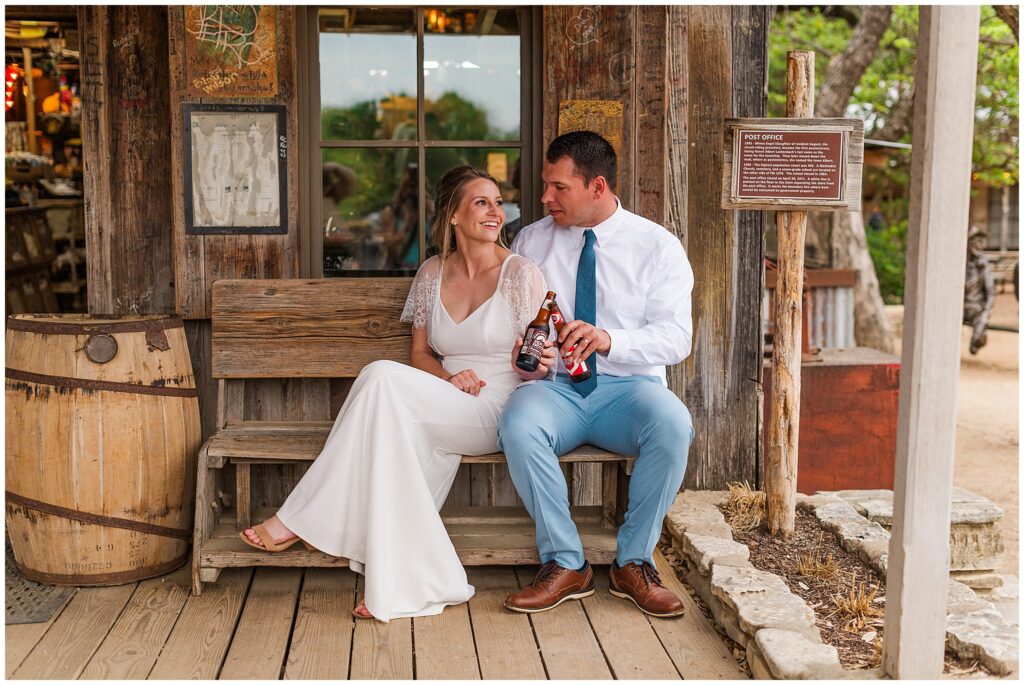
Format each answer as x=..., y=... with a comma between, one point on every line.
x=592, y=155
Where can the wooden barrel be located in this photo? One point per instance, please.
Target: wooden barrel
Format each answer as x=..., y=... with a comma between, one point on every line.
x=103, y=432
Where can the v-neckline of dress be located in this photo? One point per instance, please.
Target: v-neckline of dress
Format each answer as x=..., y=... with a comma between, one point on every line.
x=440, y=301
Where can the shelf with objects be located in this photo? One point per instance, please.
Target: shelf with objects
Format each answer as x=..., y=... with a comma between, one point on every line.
x=45, y=265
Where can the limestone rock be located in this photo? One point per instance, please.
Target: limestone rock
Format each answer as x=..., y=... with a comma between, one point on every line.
x=978, y=580
x=961, y=599
x=713, y=498
x=832, y=516
x=762, y=600
x=707, y=551
x=985, y=636
x=1010, y=589
x=791, y=656
x=974, y=546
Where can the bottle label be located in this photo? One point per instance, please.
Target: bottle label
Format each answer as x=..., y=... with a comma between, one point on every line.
x=534, y=343
x=576, y=369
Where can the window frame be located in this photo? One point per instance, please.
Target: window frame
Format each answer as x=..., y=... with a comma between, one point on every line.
x=310, y=233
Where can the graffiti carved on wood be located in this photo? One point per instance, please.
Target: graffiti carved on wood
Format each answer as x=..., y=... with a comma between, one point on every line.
x=230, y=50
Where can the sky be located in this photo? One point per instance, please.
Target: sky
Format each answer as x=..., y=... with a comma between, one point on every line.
x=482, y=69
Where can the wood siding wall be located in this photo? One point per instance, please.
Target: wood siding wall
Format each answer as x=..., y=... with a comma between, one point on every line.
x=202, y=259
x=679, y=71
x=126, y=138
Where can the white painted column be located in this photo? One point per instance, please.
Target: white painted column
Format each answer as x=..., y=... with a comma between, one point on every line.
x=915, y=616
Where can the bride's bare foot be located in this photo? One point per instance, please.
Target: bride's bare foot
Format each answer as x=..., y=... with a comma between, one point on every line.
x=277, y=531
x=361, y=611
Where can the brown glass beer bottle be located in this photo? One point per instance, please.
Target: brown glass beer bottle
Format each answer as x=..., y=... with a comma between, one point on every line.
x=535, y=337
x=578, y=371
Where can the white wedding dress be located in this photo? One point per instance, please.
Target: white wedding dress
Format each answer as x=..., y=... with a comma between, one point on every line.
x=373, y=494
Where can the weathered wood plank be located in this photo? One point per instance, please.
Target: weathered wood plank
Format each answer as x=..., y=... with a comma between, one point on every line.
x=381, y=651
x=590, y=55
x=201, y=260
x=444, y=646
x=71, y=640
x=567, y=643
x=306, y=329
x=322, y=638
x=626, y=636
x=126, y=129
x=21, y=638
x=651, y=103
x=137, y=638
x=723, y=450
x=200, y=639
x=505, y=644
x=261, y=638
x=692, y=643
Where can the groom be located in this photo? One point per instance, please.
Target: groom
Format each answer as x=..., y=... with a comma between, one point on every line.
x=626, y=282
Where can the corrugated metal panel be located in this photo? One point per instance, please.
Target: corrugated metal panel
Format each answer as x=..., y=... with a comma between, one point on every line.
x=830, y=316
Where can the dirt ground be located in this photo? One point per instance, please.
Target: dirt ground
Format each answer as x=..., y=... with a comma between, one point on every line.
x=988, y=423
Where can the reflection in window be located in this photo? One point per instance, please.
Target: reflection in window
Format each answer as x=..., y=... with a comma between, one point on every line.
x=501, y=163
x=375, y=209
x=370, y=210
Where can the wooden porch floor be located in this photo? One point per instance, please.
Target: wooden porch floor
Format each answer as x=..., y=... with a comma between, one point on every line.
x=271, y=623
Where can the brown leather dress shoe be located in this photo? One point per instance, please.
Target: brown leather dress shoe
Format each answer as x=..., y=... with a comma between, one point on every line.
x=552, y=586
x=641, y=584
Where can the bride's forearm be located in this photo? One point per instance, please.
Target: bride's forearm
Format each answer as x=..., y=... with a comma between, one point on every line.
x=428, y=362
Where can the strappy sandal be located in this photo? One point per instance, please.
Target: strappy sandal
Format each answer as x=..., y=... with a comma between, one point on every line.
x=357, y=614
x=268, y=541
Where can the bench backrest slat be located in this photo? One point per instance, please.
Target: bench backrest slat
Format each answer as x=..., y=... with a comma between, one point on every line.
x=294, y=328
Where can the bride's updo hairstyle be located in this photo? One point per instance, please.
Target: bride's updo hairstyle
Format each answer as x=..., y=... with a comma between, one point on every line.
x=447, y=196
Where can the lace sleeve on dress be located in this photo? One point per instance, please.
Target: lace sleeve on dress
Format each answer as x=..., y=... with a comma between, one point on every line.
x=524, y=289
x=422, y=295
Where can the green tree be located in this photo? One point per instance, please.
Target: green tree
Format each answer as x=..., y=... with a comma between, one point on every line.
x=883, y=97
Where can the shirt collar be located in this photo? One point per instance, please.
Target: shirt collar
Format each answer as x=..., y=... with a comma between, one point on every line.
x=604, y=230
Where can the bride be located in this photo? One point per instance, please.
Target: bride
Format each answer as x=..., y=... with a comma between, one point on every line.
x=373, y=494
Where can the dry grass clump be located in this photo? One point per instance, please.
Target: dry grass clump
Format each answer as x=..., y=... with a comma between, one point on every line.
x=857, y=606
x=745, y=508
x=813, y=565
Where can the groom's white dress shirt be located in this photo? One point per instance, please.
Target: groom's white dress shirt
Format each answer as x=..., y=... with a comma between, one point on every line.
x=644, y=281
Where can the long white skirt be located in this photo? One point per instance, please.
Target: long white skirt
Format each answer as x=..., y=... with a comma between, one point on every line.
x=373, y=494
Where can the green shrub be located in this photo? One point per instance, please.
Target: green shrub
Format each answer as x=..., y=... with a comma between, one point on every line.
x=888, y=248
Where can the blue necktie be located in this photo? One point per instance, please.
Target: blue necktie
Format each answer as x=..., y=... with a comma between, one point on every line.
x=586, y=303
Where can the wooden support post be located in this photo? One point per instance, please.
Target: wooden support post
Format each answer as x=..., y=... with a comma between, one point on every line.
x=783, y=431
x=609, y=493
x=243, y=497
x=940, y=179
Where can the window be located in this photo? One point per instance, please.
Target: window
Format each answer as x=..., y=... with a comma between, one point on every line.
x=396, y=97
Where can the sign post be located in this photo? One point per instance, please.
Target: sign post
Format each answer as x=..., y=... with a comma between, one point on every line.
x=791, y=166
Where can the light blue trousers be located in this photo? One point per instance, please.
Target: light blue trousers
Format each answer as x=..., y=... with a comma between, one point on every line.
x=632, y=415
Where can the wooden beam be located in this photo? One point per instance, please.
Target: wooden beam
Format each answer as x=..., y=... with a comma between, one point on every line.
x=940, y=180
x=784, y=428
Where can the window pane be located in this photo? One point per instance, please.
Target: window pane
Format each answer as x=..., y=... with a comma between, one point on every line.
x=471, y=74
x=369, y=211
x=502, y=163
x=367, y=74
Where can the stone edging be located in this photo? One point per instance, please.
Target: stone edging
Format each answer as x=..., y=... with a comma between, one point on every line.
x=775, y=626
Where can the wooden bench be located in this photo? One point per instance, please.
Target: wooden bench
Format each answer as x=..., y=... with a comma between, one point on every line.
x=310, y=332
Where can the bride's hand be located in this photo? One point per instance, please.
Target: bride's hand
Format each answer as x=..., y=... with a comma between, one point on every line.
x=547, y=360
x=466, y=381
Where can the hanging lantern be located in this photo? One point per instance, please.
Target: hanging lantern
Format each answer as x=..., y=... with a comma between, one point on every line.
x=11, y=74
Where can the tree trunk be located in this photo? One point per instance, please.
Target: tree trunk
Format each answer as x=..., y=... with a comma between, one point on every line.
x=871, y=327
x=1011, y=15
x=844, y=74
